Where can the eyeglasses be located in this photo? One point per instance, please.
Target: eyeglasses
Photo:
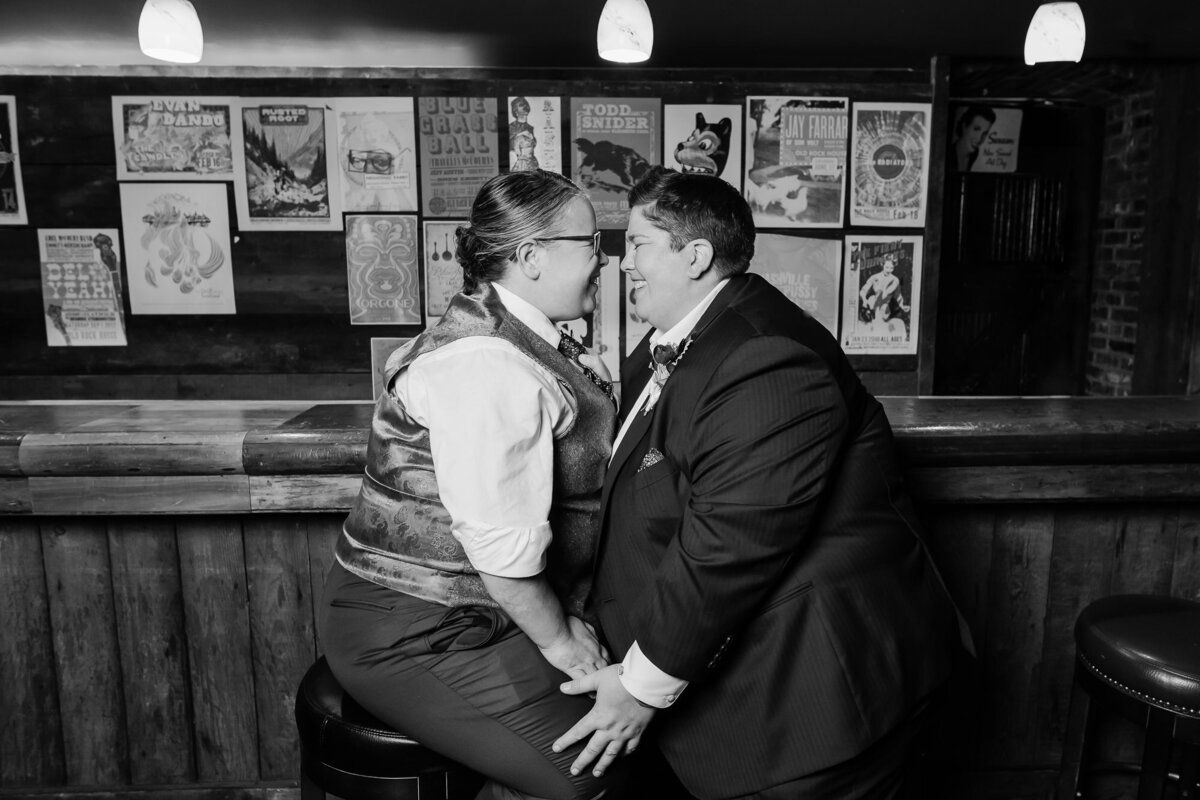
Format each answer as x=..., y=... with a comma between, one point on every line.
x=376, y=162
x=593, y=238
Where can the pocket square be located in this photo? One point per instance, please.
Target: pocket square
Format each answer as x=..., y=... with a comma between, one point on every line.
x=652, y=457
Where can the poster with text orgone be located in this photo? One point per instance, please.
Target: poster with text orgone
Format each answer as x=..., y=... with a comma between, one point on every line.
x=616, y=142
x=381, y=269
x=459, y=152
x=890, y=161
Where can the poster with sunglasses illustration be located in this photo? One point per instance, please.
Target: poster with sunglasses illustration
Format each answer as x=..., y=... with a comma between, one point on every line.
x=283, y=181
x=459, y=152
x=443, y=274
x=376, y=153
x=381, y=269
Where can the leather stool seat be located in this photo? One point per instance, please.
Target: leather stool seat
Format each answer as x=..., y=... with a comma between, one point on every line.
x=1147, y=647
x=1138, y=655
x=348, y=752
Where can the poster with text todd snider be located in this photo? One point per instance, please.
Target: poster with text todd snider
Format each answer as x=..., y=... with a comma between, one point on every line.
x=616, y=142
x=891, y=164
x=283, y=178
x=459, y=152
x=177, y=248
x=81, y=287
x=881, y=292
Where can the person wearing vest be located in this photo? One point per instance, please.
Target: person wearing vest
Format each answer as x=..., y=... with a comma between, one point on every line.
x=455, y=608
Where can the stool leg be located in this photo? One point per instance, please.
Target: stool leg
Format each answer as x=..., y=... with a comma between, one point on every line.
x=1156, y=757
x=1189, y=772
x=309, y=789
x=1075, y=740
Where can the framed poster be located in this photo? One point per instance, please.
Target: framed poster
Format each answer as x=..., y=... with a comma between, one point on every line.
x=459, y=152
x=283, y=181
x=616, y=143
x=985, y=138
x=81, y=287
x=704, y=138
x=881, y=294
x=381, y=269
x=12, y=190
x=796, y=161
x=175, y=138
x=535, y=133
x=443, y=273
x=805, y=269
x=376, y=154
x=382, y=348
x=891, y=164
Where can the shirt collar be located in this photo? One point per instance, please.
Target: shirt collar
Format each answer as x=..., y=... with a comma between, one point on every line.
x=682, y=328
x=529, y=314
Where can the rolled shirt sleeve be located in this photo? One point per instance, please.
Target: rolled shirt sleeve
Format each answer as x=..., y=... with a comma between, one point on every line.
x=493, y=414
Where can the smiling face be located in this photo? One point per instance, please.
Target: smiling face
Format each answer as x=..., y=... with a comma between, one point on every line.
x=573, y=272
x=663, y=293
x=976, y=129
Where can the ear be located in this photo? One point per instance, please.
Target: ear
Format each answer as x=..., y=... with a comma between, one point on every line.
x=528, y=259
x=701, y=258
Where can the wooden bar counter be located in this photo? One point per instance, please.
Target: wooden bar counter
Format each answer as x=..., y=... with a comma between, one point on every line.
x=159, y=563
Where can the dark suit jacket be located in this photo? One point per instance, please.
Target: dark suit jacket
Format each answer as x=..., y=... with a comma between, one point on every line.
x=771, y=557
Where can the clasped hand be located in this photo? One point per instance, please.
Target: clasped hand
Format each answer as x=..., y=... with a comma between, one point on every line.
x=615, y=723
x=577, y=652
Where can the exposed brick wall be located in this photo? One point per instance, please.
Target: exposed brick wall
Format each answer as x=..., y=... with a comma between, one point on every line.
x=1121, y=225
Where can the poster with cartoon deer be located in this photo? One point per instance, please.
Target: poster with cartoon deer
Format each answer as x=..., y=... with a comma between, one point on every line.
x=796, y=161
x=616, y=143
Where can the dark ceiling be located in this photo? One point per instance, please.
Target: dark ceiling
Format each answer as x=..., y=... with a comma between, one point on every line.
x=561, y=33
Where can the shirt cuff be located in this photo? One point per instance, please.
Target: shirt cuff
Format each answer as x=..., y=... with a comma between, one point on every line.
x=648, y=683
x=504, y=551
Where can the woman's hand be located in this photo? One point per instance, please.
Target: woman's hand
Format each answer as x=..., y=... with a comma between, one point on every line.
x=578, y=652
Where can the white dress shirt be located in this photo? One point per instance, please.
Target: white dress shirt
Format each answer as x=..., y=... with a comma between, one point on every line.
x=640, y=677
x=493, y=414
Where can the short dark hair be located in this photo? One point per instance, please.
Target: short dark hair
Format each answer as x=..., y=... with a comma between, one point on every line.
x=985, y=112
x=690, y=206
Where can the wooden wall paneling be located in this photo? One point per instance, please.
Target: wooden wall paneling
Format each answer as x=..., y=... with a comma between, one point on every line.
x=195, y=386
x=960, y=542
x=1185, y=581
x=156, y=494
x=31, y=749
x=1012, y=653
x=323, y=533
x=1081, y=563
x=150, y=630
x=1145, y=549
x=216, y=615
x=935, y=192
x=282, y=633
x=84, y=627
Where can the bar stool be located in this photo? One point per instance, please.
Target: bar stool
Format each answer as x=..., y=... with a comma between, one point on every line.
x=347, y=752
x=1138, y=655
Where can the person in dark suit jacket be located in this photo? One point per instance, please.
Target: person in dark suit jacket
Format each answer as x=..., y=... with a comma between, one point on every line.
x=760, y=572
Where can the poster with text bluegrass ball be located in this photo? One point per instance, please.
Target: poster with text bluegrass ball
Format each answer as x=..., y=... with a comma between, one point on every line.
x=283, y=179
x=381, y=269
x=459, y=152
x=376, y=154
x=881, y=293
x=172, y=138
x=81, y=287
x=806, y=270
x=796, y=160
x=890, y=162
x=177, y=249
x=616, y=142
x=12, y=191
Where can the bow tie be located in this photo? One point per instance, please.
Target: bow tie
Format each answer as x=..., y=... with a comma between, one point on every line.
x=572, y=350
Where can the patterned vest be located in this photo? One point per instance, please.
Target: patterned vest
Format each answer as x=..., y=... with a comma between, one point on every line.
x=398, y=532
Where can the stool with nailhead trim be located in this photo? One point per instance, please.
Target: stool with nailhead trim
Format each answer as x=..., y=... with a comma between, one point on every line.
x=347, y=752
x=1138, y=655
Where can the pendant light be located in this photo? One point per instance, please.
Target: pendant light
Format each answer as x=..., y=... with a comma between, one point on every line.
x=169, y=30
x=626, y=32
x=1056, y=33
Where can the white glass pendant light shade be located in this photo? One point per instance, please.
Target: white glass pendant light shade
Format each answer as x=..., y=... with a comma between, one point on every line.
x=1056, y=33
x=169, y=30
x=626, y=32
